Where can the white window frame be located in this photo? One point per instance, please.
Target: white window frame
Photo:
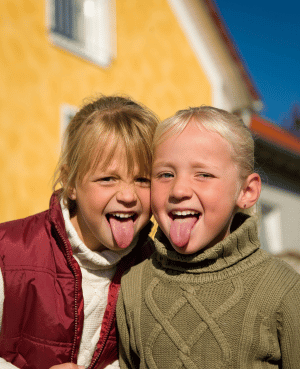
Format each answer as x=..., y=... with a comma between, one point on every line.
x=94, y=32
x=67, y=112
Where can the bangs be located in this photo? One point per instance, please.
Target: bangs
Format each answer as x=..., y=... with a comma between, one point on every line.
x=107, y=141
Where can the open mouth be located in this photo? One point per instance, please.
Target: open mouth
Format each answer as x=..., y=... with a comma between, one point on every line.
x=181, y=226
x=184, y=214
x=122, y=216
x=122, y=227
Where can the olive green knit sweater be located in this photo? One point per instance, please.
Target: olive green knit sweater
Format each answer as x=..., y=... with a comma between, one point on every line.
x=231, y=306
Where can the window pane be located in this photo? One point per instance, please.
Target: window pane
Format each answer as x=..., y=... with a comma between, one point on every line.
x=64, y=18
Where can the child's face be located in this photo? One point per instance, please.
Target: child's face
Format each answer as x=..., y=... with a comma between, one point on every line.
x=194, y=189
x=112, y=205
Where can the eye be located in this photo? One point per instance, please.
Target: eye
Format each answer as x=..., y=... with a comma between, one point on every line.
x=204, y=175
x=143, y=181
x=165, y=175
x=107, y=179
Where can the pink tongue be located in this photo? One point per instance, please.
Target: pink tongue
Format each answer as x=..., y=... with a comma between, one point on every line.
x=181, y=229
x=122, y=230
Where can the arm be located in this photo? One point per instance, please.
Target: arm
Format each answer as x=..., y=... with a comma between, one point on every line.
x=3, y=363
x=67, y=366
x=127, y=358
x=6, y=365
x=289, y=328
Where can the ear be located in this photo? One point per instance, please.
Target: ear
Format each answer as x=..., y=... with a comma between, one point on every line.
x=64, y=176
x=250, y=191
x=72, y=193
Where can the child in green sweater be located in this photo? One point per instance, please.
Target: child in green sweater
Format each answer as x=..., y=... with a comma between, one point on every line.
x=209, y=297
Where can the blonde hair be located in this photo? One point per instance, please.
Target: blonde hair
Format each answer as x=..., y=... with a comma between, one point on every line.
x=227, y=125
x=104, y=123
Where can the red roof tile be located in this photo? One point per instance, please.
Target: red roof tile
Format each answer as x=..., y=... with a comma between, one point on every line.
x=274, y=134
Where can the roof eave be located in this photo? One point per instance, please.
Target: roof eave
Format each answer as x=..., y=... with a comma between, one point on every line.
x=225, y=35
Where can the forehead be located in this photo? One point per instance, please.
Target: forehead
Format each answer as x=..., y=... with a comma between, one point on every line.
x=194, y=143
x=115, y=158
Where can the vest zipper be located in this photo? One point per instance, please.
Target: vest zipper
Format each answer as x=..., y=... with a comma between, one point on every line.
x=117, y=276
x=75, y=297
x=106, y=334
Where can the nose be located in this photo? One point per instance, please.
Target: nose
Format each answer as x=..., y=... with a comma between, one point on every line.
x=180, y=190
x=127, y=195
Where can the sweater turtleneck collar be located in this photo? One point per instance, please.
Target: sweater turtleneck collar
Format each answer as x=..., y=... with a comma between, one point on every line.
x=242, y=242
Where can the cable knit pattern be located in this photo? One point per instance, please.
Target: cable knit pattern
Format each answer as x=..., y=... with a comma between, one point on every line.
x=230, y=306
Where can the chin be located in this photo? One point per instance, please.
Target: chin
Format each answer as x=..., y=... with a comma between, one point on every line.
x=185, y=250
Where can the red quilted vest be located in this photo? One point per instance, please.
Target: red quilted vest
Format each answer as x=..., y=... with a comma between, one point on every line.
x=43, y=307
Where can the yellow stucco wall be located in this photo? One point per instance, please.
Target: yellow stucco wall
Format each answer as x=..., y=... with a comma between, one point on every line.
x=154, y=65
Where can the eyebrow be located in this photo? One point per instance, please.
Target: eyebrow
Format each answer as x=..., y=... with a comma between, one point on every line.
x=198, y=164
x=162, y=164
x=195, y=164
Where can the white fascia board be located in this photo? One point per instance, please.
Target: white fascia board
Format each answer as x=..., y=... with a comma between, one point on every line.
x=222, y=74
x=202, y=52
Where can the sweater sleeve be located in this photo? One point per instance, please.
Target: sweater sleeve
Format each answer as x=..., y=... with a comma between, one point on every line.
x=289, y=328
x=127, y=358
x=3, y=363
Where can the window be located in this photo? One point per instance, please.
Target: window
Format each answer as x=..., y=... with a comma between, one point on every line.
x=84, y=27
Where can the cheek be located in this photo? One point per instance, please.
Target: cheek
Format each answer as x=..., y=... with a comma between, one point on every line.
x=159, y=194
x=157, y=201
x=144, y=196
x=223, y=199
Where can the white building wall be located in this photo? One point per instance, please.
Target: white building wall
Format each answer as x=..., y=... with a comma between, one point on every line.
x=279, y=223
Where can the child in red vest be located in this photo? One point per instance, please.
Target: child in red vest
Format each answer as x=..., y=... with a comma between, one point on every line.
x=61, y=269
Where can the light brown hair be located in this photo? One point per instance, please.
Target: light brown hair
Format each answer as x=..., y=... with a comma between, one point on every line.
x=105, y=122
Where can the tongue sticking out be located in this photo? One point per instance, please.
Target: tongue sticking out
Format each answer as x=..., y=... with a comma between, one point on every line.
x=181, y=229
x=122, y=230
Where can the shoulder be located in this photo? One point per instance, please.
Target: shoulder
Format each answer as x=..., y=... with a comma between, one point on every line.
x=286, y=271
x=25, y=237
x=284, y=285
x=31, y=224
x=279, y=277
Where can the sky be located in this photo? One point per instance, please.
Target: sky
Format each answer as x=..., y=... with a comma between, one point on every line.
x=267, y=34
